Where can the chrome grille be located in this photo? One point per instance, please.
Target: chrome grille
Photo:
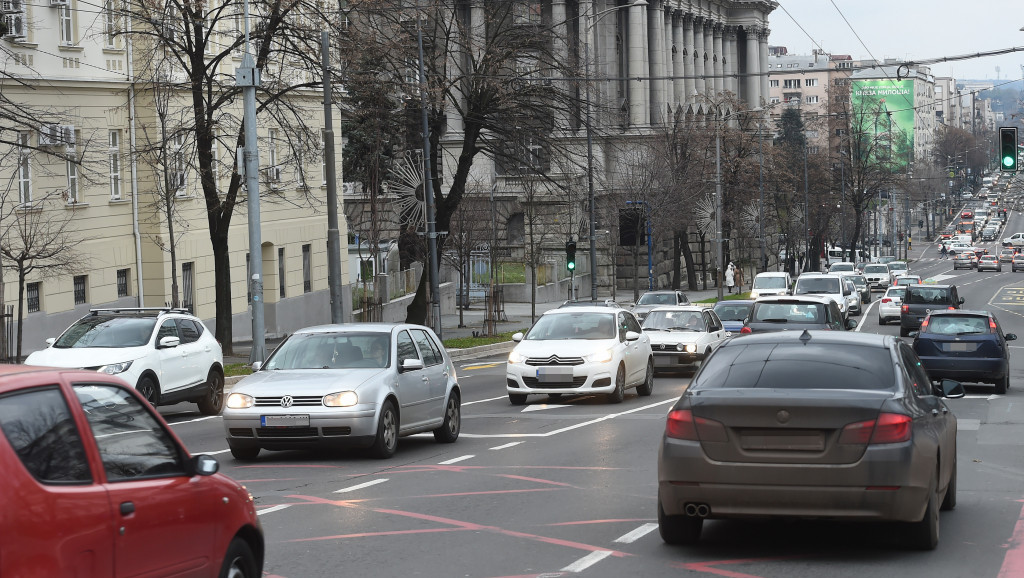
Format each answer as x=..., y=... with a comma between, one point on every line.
x=297, y=401
x=554, y=360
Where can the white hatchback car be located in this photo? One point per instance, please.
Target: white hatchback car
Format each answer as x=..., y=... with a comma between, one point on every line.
x=889, y=304
x=771, y=283
x=581, y=349
x=168, y=355
x=683, y=336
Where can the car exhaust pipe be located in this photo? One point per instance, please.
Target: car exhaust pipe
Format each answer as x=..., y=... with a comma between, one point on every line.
x=703, y=510
x=691, y=510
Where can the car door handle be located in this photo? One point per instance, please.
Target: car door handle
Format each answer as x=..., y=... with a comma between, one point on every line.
x=127, y=508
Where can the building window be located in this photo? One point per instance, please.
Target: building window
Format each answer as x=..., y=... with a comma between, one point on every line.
x=114, y=162
x=773, y=83
x=122, y=283
x=110, y=24
x=24, y=169
x=67, y=29
x=187, y=287
x=177, y=176
x=811, y=150
x=791, y=83
x=307, y=268
x=810, y=82
x=273, y=171
x=80, y=282
x=280, y=272
x=812, y=99
x=72, y=172
x=774, y=100
x=32, y=296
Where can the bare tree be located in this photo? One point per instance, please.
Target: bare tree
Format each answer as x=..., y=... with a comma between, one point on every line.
x=468, y=233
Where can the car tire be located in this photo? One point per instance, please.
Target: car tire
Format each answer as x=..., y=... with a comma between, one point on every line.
x=213, y=402
x=239, y=561
x=904, y=332
x=619, y=393
x=949, y=500
x=678, y=530
x=924, y=535
x=882, y=320
x=386, y=442
x=149, y=389
x=647, y=387
x=517, y=398
x=1003, y=384
x=449, y=430
x=244, y=453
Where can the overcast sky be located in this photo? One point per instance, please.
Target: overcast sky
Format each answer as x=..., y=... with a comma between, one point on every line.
x=907, y=29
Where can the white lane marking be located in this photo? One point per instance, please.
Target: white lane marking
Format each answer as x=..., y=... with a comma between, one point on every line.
x=361, y=486
x=968, y=424
x=272, y=509
x=213, y=453
x=568, y=428
x=938, y=278
x=636, y=534
x=542, y=406
x=587, y=561
x=508, y=445
x=483, y=400
x=195, y=420
x=864, y=315
x=456, y=460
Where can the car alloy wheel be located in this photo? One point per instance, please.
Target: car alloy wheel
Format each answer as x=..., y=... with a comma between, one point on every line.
x=386, y=442
x=239, y=561
x=213, y=402
x=619, y=393
x=647, y=387
x=149, y=390
x=449, y=430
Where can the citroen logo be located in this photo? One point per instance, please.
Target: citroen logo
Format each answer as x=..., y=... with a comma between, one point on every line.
x=782, y=416
x=287, y=401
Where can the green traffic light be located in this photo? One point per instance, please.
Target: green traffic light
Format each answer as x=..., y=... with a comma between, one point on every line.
x=1007, y=161
x=570, y=265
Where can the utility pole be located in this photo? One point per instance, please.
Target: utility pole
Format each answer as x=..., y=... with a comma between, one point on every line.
x=428, y=191
x=807, y=219
x=248, y=77
x=333, y=236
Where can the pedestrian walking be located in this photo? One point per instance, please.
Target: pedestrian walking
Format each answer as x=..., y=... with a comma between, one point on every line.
x=730, y=276
x=944, y=252
x=739, y=279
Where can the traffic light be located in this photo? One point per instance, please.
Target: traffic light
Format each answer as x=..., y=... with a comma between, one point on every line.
x=1008, y=148
x=570, y=255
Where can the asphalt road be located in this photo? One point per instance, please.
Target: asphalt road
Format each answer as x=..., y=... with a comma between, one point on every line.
x=569, y=488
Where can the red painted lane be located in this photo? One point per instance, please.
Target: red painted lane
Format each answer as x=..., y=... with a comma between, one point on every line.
x=291, y=466
x=479, y=493
x=1013, y=562
x=709, y=567
x=538, y=480
x=369, y=534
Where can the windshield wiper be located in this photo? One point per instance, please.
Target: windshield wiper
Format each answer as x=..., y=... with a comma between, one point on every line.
x=682, y=329
x=817, y=292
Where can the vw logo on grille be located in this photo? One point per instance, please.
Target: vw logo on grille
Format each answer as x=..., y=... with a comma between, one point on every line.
x=287, y=401
x=782, y=416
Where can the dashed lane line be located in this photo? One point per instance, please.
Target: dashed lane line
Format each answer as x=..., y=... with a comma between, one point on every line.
x=456, y=460
x=571, y=427
x=272, y=509
x=361, y=486
x=504, y=446
x=636, y=534
x=587, y=561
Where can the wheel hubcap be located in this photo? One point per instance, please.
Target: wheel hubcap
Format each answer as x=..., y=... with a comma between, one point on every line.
x=389, y=429
x=453, y=416
x=235, y=571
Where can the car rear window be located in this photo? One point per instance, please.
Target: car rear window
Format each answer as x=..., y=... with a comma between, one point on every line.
x=928, y=295
x=797, y=366
x=789, y=312
x=811, y=285
x=772, y=282
x=733, y=312
x=657, y=299
x=958, y=324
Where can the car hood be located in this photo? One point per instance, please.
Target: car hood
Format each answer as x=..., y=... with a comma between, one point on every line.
x=85, y=356
x=673, y=337
x=563, y=347
x=733, y=326
x=306, y=381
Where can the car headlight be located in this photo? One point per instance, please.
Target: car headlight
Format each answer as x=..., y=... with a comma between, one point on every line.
x=679, y=347
x=691, y=347
x=603, y=356
x=515, y=357
x=341, y=399
x=240, y=401
x=115, y=368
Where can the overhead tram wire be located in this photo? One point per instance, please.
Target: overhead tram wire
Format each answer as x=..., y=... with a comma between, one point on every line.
x=859, y=39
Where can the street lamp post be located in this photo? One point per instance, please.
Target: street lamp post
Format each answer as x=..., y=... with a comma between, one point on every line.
x=591, y=22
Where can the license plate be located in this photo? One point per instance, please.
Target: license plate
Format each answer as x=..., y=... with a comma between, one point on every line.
x=554, y=374
x=284, y=420
x=958, y=347
x=795, y=441
x=661, y=360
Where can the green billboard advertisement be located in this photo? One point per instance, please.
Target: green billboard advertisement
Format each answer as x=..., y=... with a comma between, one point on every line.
x=885, y=108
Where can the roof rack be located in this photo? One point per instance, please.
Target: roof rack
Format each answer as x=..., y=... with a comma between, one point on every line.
x=139, y=310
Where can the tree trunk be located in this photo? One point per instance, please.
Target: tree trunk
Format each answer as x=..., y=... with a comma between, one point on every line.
x=533, y=294
x=691, y=268
x=676, y=262
x=222, y=290
x=21, y=307
x=416, y=312
x=635, y=250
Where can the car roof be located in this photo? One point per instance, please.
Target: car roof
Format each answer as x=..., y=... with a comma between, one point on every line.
x=831, y=337
x=794, y=299
x=606, y=303
x=734, y=302
x=693, y=308
x=357, y=328
x=931, y=285
x=139, y=311
x=772, y=274
x=580, y=308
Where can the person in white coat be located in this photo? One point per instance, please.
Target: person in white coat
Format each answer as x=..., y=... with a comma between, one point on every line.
x=730, y=276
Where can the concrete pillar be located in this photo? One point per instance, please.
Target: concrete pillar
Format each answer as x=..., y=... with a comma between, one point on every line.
x=678, y=57
x=718, y=56
x=753, y=83
x=666, y=37
x=732, y=61
x=638, y=90
x=698, y=54
x=477, y=28
x=762, y=62
x=656, y=57
x=689, y=67
x=709, y=63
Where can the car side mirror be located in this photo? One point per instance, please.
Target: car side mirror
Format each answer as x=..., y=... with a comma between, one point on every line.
x=517, y=337
x=412, y=364
x=256, y=365
x=961, y=301
x=168, y=342
x=50, y=341
x=204, y=465
x=913, y=334
x=632, y=336
x=851, y=324
x=952, y=389
x=1010, y=337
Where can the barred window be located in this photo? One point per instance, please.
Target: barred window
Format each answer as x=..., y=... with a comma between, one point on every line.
x=32, y=296
x=122, y=282
x=307, y=268
x=280, y=272
x=188, y=287
x=80, y=283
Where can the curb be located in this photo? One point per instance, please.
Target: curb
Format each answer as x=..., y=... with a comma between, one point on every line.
x=481, y=351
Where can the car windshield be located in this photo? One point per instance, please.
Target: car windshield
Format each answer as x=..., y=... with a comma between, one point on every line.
x=657, y=299
x=789, y=312
x=674, y=321
x=898, y=266
x=769, y=282
x=958, y=325
x=876, y=269
x=579, y=325
x=859, y=281
x=332, y=351
x=812, y=285
x=733, y=312
x=797, y=366
x=107, y=331
x=841, y=267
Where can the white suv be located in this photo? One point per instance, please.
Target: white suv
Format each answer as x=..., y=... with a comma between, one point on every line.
x=167, y=354
x=579, y=349
x=828, y=285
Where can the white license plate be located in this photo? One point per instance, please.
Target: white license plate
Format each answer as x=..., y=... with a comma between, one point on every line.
x=284, y=420
x=554, y=374
x=957, y=347
x=662, y=360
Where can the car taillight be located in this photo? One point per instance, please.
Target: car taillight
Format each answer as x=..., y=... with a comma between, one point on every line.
x=950, y=308
x=886, y=300
x=991, y=325
x=889, y=428
x=681, y=425
x=746, y=330
x=924, y=324
x=905, y=309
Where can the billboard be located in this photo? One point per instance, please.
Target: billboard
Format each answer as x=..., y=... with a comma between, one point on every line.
x=885, y=108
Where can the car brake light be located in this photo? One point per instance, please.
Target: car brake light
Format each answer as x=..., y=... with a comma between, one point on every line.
x=886, y=300
x=681, y=425
x=746, y=330
x=905, y=309
x=924, y=324
x=889, y=428
x=950, y=308
x=991, y=325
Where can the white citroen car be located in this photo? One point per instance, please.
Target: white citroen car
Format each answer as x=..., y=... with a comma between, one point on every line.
x=581, y=349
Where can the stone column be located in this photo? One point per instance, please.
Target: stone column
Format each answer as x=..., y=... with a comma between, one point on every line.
x=753, y=83
x=698, y=54
x=762, y=62
x=639, y=94
x=656, y=52
x=732, y=60
x=719, y=57
x=477, y=28
x=709, y=62
x=678, y=69
x=666, y=36
x=689, y=67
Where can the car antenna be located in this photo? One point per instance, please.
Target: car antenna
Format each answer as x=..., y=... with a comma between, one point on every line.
x=805, y=337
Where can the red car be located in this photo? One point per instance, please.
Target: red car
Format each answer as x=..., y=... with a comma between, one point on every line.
x=967, y=214
x=95, y=484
